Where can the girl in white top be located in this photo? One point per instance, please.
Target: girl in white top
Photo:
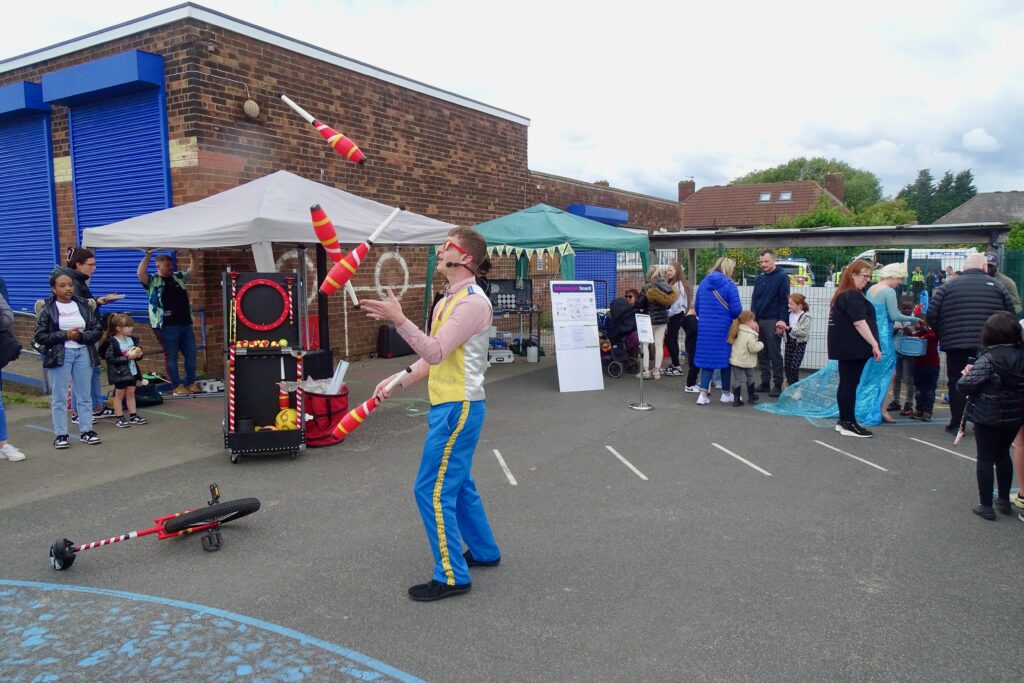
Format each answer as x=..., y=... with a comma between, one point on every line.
x=798, y=330
x=676, y=314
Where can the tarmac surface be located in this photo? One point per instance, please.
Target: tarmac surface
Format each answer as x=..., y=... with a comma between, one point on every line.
x=684, y=543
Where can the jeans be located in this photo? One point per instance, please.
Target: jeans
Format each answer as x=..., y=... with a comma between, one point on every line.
x=77, y=369
x=956, y=361
x=925, y=380
x=99, y=399
x=175, y=338
x=993, y=444
x=707, y=373
x=3, y=422
x=770, y=357
x=846, y=393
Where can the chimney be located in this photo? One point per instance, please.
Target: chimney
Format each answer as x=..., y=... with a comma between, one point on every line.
x=686, y=188
x=834, y=183
x=601, y=183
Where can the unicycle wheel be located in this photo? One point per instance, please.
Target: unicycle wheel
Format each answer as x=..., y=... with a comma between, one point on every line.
x=62, y=555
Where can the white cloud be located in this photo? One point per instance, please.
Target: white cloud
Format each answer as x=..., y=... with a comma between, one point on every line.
x=977, y=140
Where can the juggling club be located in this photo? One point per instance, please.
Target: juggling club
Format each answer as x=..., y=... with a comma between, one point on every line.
x=328, y=236
x=343, y=271
x=341, y=144
x=354, y=418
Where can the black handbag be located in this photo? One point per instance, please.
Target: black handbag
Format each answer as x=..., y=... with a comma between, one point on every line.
x=10, y=349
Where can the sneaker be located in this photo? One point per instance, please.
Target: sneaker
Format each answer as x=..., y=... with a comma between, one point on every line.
x=62, y=441
x=716, y=385
x=775, y=392
x=926, y=417
x=103, y=413
x=121, y=422
x=90, y=437
x=1002, y=506
x=893, y=405
x=727, y=397
x=435, y=590
x=916, y=415
x=473, y=562
x=1016, y=500
x=194, y=388
x=852, y=429
x=673, y=371
x=692, y=389
x=11, y=453
x=703, y=400
x=137, y=419
x=945, y=398
x=74, y=419
x=907, y=409
x=180, y=390
x=985, y=511
x=657, y=375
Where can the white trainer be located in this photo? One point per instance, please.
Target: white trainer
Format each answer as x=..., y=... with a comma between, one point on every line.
x=11, y=453
x=703, y=400
x=727, y=397
x=692, y=389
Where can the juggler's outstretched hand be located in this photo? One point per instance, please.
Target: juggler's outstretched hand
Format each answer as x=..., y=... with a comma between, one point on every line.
x=389, y=309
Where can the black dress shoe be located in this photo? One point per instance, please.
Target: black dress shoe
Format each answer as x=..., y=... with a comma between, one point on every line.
x=435, y=590
x=473, y=562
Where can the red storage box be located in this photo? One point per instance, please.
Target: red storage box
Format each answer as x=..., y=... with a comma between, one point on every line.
x=327, y=411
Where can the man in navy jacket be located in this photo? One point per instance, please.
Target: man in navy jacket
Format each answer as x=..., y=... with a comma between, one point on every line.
x=770, y=305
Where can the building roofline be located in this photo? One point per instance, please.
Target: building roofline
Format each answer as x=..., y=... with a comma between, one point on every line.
x=592, y=186
x=191, y=10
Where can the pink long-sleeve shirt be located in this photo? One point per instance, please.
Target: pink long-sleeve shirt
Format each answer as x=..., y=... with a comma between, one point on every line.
x=471, y=315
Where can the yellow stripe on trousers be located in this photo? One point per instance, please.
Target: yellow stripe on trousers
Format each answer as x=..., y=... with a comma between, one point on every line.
x=442, y=540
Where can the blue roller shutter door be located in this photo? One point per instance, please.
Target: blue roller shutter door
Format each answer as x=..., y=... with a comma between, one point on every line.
x=28, y=225
x=598, y=266
x=119, y=158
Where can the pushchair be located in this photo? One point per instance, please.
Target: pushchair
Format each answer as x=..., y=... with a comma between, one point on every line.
x=620, y=344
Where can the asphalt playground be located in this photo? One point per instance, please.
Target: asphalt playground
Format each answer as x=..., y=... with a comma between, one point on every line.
x=686, y=543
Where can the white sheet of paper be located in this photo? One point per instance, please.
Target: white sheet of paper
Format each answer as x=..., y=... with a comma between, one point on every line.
x=644, y=330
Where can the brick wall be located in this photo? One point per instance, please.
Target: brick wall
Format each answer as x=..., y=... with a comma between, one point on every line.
x=439, y=159
x=644, y=211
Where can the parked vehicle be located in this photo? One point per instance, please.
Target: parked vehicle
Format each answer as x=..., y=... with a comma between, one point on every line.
x=798, y=269
x=933, y=260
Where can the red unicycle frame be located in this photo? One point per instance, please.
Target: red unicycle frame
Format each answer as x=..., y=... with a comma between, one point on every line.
x=208, y=519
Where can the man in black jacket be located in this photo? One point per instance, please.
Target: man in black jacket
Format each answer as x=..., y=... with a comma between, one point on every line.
x=957, y=313
x=769, y=303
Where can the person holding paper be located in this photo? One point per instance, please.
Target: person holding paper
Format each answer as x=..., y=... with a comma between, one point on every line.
x=454, y=358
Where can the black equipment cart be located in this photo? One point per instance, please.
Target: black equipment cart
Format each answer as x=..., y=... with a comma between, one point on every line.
x=266, y=325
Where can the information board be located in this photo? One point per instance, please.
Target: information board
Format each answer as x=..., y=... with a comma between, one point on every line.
x=577, y=343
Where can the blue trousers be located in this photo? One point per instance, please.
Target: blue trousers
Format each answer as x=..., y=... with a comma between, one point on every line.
x=76, y=370
x=175, y=338
x=446, y=496
x=99, y=399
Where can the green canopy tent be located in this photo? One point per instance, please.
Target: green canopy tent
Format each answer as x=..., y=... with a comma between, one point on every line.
x=550, y=230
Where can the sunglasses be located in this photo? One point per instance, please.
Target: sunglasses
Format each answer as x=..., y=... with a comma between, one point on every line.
x=449, y=243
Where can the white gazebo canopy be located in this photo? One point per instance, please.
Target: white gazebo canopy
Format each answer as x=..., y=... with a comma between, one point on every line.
x=274, y=208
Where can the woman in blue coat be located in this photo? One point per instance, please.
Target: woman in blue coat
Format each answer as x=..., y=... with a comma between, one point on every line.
x=717, y=304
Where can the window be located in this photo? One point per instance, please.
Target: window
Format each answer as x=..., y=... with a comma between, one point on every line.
x=765, y=197
x=663, y=257
x=785, y=196
x=628, y=260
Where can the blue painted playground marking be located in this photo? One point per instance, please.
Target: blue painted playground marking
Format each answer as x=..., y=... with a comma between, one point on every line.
x=52, y=632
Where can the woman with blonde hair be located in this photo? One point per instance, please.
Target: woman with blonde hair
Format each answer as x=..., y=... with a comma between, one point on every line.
x=658, y=296
x=676, y=314
x=717, y=304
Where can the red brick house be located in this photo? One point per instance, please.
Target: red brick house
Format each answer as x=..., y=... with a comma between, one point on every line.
x=758, y=204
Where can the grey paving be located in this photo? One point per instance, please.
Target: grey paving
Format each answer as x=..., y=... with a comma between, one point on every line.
x=828, y=569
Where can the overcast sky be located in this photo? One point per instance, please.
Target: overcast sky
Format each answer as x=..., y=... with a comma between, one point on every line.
x=645, y=94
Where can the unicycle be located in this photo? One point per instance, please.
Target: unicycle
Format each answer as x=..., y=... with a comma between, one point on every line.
x=208, y=519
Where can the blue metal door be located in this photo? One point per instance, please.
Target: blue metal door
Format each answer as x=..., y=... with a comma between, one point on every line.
x=120, y=166
x=28, y=224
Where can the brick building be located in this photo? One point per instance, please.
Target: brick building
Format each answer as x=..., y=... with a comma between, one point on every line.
x=756, y=204
x=149, y=114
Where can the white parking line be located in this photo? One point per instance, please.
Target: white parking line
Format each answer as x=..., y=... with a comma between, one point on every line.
x=627, y=463
x=742, y=459
x=504, y=467
x=959, y=455
x=851, y=455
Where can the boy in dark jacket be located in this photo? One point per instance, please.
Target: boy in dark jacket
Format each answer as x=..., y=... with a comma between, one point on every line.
x=994, y=386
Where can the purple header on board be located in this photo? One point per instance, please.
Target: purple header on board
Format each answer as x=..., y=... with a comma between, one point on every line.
x=572, y=288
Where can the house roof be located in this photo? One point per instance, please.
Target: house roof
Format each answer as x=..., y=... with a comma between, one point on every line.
x=1004, y=207
x=740, y=206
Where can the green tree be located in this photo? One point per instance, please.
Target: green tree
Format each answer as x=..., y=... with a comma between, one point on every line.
x=1016, y=237
x=861, y=188
x=963, y=188
x=825, y=212
x=920, y=196
x=891, y=212
x=943, y=200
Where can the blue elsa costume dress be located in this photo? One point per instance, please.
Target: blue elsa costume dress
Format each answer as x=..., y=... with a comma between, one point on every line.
x=815, y=395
